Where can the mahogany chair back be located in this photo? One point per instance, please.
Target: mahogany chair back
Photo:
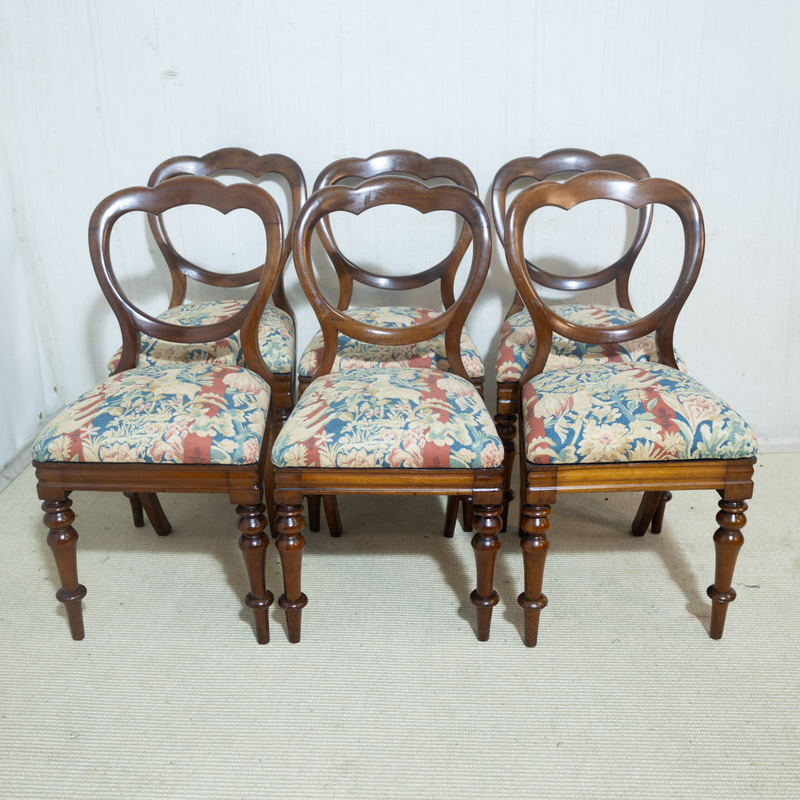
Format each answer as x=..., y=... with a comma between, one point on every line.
x=637, y=195
x=403, y=191
x=573, y=160
x=395, y=162
x=229, y=159
x=178, y=191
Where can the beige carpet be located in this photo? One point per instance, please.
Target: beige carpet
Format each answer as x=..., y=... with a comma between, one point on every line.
x=389, y=695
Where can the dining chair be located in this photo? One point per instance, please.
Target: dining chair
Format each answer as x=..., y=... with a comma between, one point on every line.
x=622, y=426
x=518, y=334
x=276, y=331
x=192, y=426
x=353, y=354
x=383, y=429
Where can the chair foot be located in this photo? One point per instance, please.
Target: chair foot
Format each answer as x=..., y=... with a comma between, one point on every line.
x=534, y=526
x=728, y=540
x=158, y=519
x=289, y=523
x=63, y=540
x=253, y=544
x=485, y=544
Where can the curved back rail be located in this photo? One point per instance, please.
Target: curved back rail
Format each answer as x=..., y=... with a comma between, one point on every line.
x=229, y=159
x=154, y=201
x=393, y=191
x=636, y=194
x=404, y=162
x=573, y=160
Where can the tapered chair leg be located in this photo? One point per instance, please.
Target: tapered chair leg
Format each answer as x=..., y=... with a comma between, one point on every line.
x=467, y=514
x=728, y=540
x=487, y=522
x=534, y=526
x=289, y=523
x=650, y=509
x=506, y=425
x=451, y=515
x=658, y=517
x=331, y=505
x=62, y=540
x=136, y=509
x=253, y=544
x=152, y=507
x=314, y=505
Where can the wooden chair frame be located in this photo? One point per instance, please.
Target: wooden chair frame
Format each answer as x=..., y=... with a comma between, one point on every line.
x=242, y=483
x=731, y=478
x=484, y=485
x=539, y=169
x=392, y=162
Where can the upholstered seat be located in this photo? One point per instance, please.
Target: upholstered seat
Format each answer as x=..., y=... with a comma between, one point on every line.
x=190, y=414
x=352, y=354
x=518, y=342
x=398, y=418
x=621, y=412
x=275, y=338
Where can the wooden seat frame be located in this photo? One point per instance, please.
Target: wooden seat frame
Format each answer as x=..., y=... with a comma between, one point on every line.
x=539, y=169
x=392, y=162
x=483, y=485
x=242, y=483
x=541, y=483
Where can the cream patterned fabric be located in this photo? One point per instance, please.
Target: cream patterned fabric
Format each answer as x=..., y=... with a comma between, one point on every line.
x=190, y=414
x=395, y=418
x=275, y=337
x=628, y=412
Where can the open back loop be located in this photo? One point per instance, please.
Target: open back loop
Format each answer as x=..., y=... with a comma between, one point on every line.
x=394, y=191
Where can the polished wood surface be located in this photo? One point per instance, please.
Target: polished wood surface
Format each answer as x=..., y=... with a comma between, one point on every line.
x=557, y=162
x=483, y=485
x=541, y=484
x=244, y=483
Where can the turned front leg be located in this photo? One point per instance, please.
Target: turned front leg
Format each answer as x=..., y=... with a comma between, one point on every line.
x=506, y=425
x=728, y=540
x=289, y=523
x=534, y=526
x=63, y=540
x=253, y=544
x=487, y=522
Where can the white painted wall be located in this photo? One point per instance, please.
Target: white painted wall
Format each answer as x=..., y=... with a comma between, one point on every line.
x=94, y=94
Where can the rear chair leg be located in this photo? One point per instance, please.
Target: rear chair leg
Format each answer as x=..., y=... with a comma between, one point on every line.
x=728, y=540
x=253, y=544
x=331, y=506
x=534, y=526
x=651, y=509
x=506, y=425
x=136, y=509
x=152, y=507
x=289, y=523
x=63, y=540
x=487, y=522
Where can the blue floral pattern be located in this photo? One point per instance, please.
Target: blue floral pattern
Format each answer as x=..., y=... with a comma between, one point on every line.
x=389, y=418
x=190, y=414
x=518, y=342
x=618, y=412
x=275, y=337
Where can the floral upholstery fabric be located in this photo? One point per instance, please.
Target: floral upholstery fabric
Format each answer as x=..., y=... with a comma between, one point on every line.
x=191, y=414
x=518, y=342
x=628, y=412
x=275, y=337
x=389, y=418
x=352, y=354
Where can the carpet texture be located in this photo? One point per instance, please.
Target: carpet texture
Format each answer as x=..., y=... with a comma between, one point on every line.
x=389, y=694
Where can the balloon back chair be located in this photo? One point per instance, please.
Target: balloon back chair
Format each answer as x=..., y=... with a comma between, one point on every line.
x=622, y=426
x=390, y=430
x=354, y=354
x=276, y=331
x=518, y=334
x=186, y=427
